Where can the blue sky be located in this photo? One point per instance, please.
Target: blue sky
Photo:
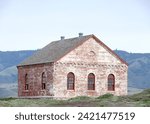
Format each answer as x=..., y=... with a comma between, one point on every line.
x=32, y=24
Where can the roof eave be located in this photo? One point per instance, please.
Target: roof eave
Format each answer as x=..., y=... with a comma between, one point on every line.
x=33, y=64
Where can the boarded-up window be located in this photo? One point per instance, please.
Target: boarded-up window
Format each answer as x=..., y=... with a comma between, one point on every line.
x=26, y=82
x=43, y=81
x=91, y=81
x=70, y=81
x=111, y=82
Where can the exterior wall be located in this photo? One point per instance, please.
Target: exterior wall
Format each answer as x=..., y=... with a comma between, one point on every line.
x=35, y=84
x=84, y=53
x=90, y=57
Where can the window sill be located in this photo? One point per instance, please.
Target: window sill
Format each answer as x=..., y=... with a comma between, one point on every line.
x=43, y=90
x=25, y=90
x=71, y=90
x=110, y=90
x=91, y=90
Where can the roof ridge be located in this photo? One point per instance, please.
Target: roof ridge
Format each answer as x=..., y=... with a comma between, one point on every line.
x=55, y=50
x=73, y=38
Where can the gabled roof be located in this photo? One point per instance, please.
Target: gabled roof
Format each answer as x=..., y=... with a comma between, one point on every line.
x=57, y=49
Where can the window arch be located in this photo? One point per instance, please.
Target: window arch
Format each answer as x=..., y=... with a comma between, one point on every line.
x=91, y=81
x=43, y=81
x=111, y=82
x=26, y=82
x=70, y=81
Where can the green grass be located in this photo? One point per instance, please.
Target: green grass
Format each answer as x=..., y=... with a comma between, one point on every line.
x=79, y=98
x=105, y=96
x=108, y=100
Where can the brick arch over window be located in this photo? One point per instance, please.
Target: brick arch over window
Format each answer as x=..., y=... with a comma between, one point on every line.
x=91, y=81
x=111, y=82
x=43, y=81
x=70, y=81
x=26, y=82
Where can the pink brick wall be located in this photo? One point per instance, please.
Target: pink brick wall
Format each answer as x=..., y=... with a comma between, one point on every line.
x=35, y=73
x=81, y=61
x=89, y=57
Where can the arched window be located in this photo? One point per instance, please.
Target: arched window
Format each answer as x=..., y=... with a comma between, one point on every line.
x=70, y=81
x=43, y=81
x=91, y=81
x=26, y=82
x=111, y=82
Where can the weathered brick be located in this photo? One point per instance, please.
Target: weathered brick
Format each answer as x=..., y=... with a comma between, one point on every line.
x=89, y=57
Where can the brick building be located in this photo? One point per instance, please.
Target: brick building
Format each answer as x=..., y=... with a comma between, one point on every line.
x=80, y=66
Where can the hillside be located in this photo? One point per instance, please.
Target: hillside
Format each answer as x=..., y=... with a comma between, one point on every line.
x=138, y=74
x=139, y=68
x=108, y=100
x=8, y=62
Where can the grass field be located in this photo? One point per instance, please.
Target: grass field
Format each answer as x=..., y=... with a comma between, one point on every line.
x=108, y=100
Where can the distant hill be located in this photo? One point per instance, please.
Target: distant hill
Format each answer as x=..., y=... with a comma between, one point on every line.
x=8, y=62
x=138, y=74
x=11, y=58
x=139, y=68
